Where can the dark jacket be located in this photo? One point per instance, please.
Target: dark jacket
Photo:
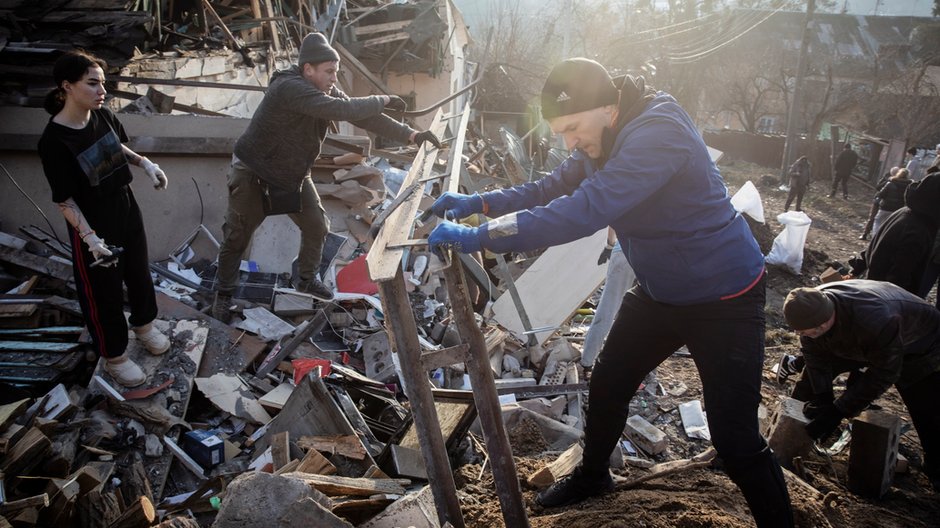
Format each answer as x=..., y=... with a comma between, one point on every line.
x=662, y=194
x=846, y=161
x=878, y=325
x=902, y=247
x=891, y=196
x=800, y=172
x=283, y=138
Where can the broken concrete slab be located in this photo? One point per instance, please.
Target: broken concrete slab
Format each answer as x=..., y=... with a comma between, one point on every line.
x=263, y=499
x=414, y=510
x=234, y=396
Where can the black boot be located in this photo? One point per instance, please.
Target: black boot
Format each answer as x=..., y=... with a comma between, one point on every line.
x=761, y=481
x=575, y=488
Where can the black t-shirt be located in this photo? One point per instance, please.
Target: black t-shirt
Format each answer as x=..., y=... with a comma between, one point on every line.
x=89, y=166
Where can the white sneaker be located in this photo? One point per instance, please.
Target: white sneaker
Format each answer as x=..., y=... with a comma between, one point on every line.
x=154, y=340
x=125, y=371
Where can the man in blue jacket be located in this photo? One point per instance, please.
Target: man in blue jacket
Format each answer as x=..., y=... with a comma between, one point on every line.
x=640, y=166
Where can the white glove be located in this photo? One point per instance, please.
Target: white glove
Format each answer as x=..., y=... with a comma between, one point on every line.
x=155, y=172
x=98, y=249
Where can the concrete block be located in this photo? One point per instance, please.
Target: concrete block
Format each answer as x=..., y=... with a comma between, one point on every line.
x=645, y=435
x=787, y=437
x=874, y=453
x=414, y=510
x=214, y=65
x=263, y=499
x=188, y=68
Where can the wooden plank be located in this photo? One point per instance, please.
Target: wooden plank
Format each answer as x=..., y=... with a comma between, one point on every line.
x=93, y=18
x=11, y=411
x=360, y=487
x=43, y=332
x=346, y=445
x=379, y=28
x=185, y=459
x=52, y=268
x=36, y=346
x=403, y=335
x=455, y=163
x=280, y=449
x=572, y=280
x=434, y=359
x=26, y=453
x=384, y=262
x=385, y=40
x=486, y=398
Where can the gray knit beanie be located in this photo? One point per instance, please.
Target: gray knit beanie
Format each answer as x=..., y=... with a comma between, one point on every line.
x=576, y=85
x=315, y=49
x=807, y=308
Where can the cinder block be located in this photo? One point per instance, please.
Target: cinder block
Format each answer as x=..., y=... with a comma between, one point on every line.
x=788, y=438
x=645, y=435
x=874, y=453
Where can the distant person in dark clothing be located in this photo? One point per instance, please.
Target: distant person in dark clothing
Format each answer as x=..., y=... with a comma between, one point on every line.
x=875, y=205
x=844, y=165
x=901, y=248
x=800, y=176
x=891, y=197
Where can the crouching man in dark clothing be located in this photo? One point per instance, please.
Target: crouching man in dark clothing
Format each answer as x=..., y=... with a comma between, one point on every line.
x=891, y=333
x=640, y=166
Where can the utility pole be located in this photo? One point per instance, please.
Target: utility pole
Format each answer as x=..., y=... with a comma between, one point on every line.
x=797, y=92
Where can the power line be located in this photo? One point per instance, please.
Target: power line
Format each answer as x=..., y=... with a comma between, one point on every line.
x=685, y=59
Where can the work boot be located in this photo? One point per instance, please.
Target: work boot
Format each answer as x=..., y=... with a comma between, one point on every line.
x=124, y=371
x=575, y=488
x=315, y=288
x=155, y=342
x=222, y=307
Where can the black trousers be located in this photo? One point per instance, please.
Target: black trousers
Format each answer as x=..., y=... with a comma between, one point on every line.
x=101, y=292
x=841, y=177
x=797, y=190
x=726, y=340
x=921, y=401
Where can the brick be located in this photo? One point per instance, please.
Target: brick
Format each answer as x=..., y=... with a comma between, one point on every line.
x=645, y=435
x=874, y=453
x=788, y=438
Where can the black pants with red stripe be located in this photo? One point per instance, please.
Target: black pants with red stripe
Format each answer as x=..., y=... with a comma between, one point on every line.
x=101, y=292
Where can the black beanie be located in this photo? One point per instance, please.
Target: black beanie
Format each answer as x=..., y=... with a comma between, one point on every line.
x=806, y=308
x=315, y=49
x=577, y=85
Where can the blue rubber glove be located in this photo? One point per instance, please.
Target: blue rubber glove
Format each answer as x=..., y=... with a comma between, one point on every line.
x=456, y=205
x=450, y=235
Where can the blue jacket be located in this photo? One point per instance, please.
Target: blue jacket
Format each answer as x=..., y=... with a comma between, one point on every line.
x=660, y=192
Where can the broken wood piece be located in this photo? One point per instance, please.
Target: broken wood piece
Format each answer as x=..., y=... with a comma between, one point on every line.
x=314, y=462
x=359, y=487
x=445, y=357
x=312, y=326
x=346, y=445
x=10, y=508
x=11, y=411
x=289, y=467
x=277, y=397
x=28, y=452
x=97, y=508
x=280, y=449
x=185, y=459
x=140, y=513
x=561, y=466
x=663, y=470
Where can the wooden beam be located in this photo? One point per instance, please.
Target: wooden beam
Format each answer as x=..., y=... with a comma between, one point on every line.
x=486, y=399
x=52, y=268
x=455, y=163
x=385, y=262
x=361, y=487
x=445, y=357
x=403, y=336
x=379, y=28
x=385, y=39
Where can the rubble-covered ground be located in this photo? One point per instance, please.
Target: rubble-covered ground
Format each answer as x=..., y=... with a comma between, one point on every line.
x=706, y=497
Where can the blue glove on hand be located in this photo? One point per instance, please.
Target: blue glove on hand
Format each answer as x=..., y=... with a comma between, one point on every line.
x=457, y=205
x=450, y=235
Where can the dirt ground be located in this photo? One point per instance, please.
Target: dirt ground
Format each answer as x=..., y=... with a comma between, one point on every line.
x=706, y=497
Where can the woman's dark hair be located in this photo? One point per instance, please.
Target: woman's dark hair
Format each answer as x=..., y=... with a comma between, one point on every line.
x=70, y=67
